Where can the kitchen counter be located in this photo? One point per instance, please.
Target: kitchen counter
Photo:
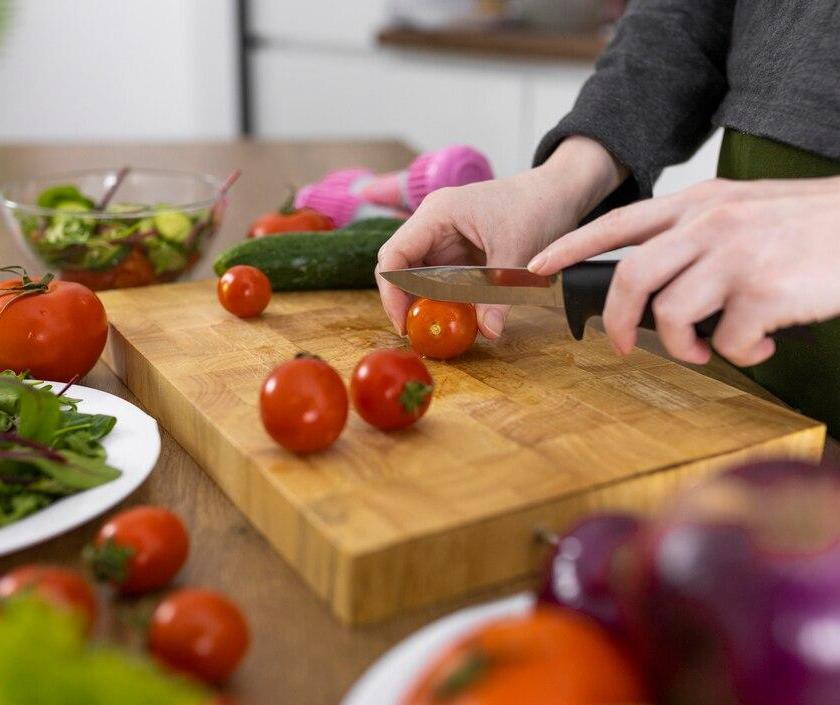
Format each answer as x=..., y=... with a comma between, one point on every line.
x=300, y=654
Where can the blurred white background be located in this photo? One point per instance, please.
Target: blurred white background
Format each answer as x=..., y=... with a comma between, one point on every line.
x=118, y=69
x=152, y=70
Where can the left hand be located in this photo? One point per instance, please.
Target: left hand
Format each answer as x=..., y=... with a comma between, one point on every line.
x=766, y=253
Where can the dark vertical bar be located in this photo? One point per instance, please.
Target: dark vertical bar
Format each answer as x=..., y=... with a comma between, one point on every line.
x=246, y=126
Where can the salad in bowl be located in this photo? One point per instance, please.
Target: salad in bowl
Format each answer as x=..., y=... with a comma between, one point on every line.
x=116, y=228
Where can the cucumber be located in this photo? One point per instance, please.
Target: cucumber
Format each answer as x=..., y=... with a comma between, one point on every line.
x=340, y=259
x=173, y=225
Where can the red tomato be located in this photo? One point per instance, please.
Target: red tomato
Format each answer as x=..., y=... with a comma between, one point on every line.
x=292, y=221
x=391, y=389
x=549, y=657
x=303, y=404
x=441, y=329
x=57, y=334
x=244, y=291
x=199, y=632
x=140, y=549
x=61, y=587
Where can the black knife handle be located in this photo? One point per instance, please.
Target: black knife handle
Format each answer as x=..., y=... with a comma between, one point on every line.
x=585, y=287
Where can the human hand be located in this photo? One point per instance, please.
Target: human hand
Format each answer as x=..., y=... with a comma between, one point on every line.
x=766, y=253
x=499, y=223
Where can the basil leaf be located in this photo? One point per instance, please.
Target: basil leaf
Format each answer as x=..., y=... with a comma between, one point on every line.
x=15, y=507
x=39, y=414
x=78, y=472
x=83, y=443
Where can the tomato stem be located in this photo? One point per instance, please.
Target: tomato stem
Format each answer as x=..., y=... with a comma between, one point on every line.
x=288, y=205
x=109, y=561
x=414, y=395
x=473, y=666
x=27, y=286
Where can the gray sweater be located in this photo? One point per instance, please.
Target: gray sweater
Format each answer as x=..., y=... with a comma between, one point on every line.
x=676, y=68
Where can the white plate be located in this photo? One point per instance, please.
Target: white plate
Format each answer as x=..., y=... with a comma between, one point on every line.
x=133, y=448
x=388, y=680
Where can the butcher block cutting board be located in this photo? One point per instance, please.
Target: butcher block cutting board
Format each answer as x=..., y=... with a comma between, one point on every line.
x=523, y=434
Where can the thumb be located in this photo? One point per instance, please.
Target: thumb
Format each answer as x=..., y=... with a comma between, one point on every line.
x=491, y=319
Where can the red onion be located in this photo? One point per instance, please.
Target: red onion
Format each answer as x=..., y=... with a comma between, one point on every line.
x=585, y=563
x=739, y=596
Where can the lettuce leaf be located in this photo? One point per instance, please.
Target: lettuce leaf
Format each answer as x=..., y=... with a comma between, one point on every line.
x=44, y=660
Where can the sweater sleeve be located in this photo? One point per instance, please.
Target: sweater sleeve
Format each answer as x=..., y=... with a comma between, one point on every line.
x=655, y=89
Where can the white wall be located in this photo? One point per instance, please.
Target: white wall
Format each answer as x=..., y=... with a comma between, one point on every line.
x=319, y=72
x=119, y=69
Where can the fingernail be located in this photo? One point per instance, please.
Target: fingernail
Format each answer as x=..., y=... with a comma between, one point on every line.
x=536, y=264
x=494, y=322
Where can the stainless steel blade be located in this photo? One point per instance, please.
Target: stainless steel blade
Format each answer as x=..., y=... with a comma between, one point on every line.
x=479, y=285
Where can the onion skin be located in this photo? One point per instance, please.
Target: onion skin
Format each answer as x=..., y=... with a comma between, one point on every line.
x=585, y=565
x=738, y=602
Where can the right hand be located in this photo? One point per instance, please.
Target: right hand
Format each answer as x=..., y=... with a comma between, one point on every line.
x=500, y=223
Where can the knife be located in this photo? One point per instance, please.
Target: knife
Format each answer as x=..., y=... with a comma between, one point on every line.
x=581, y=290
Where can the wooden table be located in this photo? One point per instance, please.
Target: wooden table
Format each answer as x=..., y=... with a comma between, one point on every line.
x=300, y=655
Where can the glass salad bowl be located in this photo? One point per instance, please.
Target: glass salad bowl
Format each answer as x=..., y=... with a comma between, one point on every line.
x=116, y=228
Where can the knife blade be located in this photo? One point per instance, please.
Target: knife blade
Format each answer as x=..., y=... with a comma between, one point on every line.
x=580, y=290
x=480, y=285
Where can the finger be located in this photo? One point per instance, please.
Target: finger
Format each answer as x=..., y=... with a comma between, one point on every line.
x=491, y=319
x=694, y=295
x=623, y=226
x=741, y=337
x=406, y=248
x=394, y=300
x=637, y=277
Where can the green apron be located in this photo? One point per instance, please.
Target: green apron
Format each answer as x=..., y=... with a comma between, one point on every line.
x=805, y=373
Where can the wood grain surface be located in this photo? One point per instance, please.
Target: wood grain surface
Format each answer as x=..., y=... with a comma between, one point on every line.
x=300, y=654
x=530, y=432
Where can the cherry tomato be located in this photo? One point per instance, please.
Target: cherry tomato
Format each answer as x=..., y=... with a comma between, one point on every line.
x=391, y=389
x=140, y=549
x=549, y=657
x=304, y=404
x=244, y=291
x=199, y=632
x=441, y=329
x=290, y=221
x=61, y=587
x=56, y=334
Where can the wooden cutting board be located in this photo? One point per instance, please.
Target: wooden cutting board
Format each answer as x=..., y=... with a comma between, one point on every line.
x=527, y=433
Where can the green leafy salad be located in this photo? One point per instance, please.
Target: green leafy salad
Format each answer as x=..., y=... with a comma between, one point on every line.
x=45, y=660
x=48, y=449
x=79, y=234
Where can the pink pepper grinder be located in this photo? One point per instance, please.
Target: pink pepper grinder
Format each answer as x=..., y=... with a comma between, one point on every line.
x=350, y=194
x=333, y=198
x=455, y=165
